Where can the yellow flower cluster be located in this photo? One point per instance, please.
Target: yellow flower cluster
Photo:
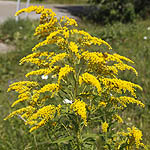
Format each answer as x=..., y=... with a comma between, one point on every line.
x=57, y=58
x=36, y=58
x=94, y=58
x=118, y=118
x=88, y=40
x=124, y=100
x=80, y=108
x=22, y=97
x=37, y=9
x=63, y=72
x=119, y=85
x=90, y=79
x=74, y=48
x=49, y=88
x=42, y=71
x=102, y=104
x=134, y=136
x=22, y=86
x=44, y=114
x=21, y=111
x=104, y=127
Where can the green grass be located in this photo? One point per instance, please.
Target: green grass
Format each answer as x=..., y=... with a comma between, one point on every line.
x=127, y=40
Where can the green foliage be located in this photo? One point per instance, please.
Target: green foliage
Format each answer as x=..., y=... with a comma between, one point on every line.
x=12, y=31
x=109, y=11
x=142, y=8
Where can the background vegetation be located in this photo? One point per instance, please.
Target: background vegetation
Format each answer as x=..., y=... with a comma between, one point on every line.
x=130, y=40
x=109, y=11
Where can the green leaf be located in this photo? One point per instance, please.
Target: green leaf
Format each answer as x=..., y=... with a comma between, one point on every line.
x=90, y=136
x=63, y=140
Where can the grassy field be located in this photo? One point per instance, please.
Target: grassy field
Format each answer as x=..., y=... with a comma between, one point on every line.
x=130, y=40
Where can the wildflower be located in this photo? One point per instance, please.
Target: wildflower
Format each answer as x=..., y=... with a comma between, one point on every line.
x=44, y=114
x=90, y=79
x=102, y=104
x=124, y=100
x=64, y=71
x=57, y=58
x=20, y=111
x=49, y=88
x=145, y=38
x=104, y=127
x=67, y=101
x=22, y=86
x=80, y=108
x=118, y=118
x=74, y=48
x=148, y=28
x=44, y=77
x=119, y=85
x=136, y=134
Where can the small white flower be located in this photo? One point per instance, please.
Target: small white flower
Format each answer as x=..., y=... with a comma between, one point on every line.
x=148, y=28
x=145, y=37
x=110, y=94
x=67, y=101
x=44, y=77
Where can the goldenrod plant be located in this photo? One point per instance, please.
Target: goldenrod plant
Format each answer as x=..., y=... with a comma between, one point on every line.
x=80, y=99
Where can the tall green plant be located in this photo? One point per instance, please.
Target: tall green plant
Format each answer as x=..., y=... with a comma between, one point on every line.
x=81, y=97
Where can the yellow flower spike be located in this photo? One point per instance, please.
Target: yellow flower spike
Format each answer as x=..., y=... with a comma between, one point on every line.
x=122, y=67
x=58, y=108
x=118, y=85
x=22, y=86
x=133, y=137
x=20, y=112
x=104, y=127
x=37, y=9
x=94, y=57
x=90, y=79
x=70, y=22
x=44, y=114
x=35, y=58
x=20, y=100
x=49, y=88
x=42, y=71
x=57, y=58
x=74, y=48
x=64, y=71
x=118, y=118
x=102, y=104
x=122, y=58
x=80, y=108
x=124, y=100
x=137, y=134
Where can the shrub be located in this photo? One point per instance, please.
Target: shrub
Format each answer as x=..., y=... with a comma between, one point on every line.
x=81, y=97
x=142, y=8
x=109, y=11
